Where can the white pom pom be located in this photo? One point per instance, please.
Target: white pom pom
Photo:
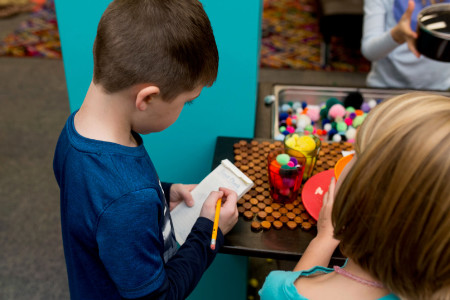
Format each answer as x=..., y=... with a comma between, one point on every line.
x=327, y=127
x=372, y=103
x=304, y=118
x=337, y=138
x=279, y=137
x=296, y=105
x=351, y=133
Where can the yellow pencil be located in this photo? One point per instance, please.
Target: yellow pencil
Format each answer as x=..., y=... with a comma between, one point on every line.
x=216, y=224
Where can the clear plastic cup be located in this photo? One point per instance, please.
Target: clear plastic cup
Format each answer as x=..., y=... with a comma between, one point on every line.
x=284, y=180
x=303, y=148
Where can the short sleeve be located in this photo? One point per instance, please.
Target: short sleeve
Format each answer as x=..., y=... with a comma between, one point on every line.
x=130, y=243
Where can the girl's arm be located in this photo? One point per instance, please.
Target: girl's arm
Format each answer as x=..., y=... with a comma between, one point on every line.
x=321, y=248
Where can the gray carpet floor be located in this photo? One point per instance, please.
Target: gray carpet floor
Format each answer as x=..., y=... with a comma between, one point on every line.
x=33, y=108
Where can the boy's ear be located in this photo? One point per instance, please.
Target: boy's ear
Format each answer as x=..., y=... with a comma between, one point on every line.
x=145, y=95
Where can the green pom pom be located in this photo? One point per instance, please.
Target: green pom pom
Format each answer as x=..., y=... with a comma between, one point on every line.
x=309, y=128
x=341, y=127
x=283, y=159
x=358, y=121
x=350, y=109
x=324, y=113
x=282, y=129
x=334, y=125
x=332, y=101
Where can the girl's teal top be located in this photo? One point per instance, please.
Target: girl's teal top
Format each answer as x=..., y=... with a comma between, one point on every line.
x=280, y=284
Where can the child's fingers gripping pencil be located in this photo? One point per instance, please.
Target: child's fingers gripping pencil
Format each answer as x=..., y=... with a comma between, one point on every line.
x=216, y=224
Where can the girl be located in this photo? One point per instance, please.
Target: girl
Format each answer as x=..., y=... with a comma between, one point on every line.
x=391, y=213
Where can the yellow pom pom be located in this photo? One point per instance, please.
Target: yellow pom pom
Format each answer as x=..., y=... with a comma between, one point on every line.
x=306, y=143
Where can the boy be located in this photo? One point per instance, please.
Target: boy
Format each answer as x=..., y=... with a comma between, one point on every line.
x=151, y=57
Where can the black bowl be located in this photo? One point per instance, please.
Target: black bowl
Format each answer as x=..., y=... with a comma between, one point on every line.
x=433, y=29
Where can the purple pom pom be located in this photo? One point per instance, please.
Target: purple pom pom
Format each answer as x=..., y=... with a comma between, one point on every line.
x=365, y=107
x=294, y=160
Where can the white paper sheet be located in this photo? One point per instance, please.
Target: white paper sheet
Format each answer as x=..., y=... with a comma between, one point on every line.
x=225, y=175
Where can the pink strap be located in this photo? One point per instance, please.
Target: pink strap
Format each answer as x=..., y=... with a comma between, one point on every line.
x=343, y=272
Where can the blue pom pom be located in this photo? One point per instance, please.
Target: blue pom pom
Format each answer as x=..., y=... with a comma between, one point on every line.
x=332, y=132
x=304, y=104
x=283, y=116
x=285, y=132
x=325, y=121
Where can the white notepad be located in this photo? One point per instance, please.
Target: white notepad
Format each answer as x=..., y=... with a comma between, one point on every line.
x=224, y=175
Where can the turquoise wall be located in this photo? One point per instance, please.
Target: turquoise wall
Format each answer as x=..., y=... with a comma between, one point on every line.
x=183, y=153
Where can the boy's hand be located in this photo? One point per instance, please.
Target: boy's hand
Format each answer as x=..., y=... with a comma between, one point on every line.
x=228, y=213
x=324, y=226
x=179, y=193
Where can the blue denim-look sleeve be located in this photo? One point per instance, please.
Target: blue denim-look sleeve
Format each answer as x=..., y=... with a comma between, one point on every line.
x=130, y=243
x=131, y=246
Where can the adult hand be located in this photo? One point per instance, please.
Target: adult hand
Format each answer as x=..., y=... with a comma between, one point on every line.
x=324, y=225
x=402, y=32
x=228, y=213
x=179, y=193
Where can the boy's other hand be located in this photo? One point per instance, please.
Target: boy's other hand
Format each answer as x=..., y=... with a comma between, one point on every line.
x=228, y=213
x=179, y=193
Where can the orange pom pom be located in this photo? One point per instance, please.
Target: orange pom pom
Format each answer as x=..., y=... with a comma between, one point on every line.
x=289, y=121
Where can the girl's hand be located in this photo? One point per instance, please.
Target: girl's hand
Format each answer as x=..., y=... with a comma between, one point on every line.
x=320, y=249
x=179, y=193
x=402, y=32
x=324, y=225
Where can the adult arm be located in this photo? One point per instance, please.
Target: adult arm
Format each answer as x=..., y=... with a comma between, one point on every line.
x=377, y=41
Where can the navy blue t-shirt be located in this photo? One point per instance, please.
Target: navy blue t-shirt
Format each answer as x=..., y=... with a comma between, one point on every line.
x=117, y=233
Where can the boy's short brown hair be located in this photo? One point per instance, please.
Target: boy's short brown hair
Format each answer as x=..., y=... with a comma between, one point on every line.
x=392, y=211
x=168, y=43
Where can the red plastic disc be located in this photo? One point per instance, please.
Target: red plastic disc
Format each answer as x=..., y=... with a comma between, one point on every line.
x=314, y=190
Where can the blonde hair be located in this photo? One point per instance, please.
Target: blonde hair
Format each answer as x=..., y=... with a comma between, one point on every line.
x=392, y=211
